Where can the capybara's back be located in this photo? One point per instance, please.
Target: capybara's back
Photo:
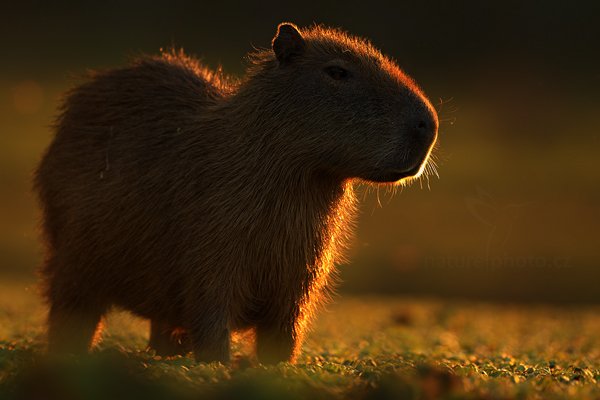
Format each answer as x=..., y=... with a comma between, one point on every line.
x=208, y=205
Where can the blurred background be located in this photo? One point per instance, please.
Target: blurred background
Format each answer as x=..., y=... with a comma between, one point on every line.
x=514, y=214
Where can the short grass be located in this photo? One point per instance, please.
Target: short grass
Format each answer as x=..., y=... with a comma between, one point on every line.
x=367, y=348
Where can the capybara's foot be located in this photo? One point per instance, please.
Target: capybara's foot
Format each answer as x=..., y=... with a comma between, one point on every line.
x=212, y=346
x=276, y=345
x=212, y=355
x=168, y=340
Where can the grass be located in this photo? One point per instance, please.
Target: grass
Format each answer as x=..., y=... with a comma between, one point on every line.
x=369, y=348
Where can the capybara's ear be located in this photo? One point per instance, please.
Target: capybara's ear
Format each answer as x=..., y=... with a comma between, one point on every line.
x=288, y=42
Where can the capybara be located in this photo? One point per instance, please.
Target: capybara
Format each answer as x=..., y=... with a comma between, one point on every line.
x=211, y=205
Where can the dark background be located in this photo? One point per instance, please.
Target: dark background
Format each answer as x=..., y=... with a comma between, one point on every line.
x=514, y=215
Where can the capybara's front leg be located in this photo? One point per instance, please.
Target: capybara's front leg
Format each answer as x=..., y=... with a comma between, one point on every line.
x=279, y=340
x=209, y=331
x=72, y=326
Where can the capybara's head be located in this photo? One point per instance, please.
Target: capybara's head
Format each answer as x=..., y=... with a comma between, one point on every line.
x=351, y=107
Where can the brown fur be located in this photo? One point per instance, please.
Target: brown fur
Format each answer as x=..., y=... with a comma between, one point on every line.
x=209, y=205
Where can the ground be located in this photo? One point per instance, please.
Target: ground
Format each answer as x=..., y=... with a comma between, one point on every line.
x=360, y=347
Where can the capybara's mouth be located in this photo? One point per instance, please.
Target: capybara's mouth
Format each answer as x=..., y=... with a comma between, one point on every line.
x=411, y=172
x=416, y=170
x=391, y=176
x=400, y=174
x=421, y=164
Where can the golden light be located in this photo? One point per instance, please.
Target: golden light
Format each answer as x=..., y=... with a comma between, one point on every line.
x=28, y=97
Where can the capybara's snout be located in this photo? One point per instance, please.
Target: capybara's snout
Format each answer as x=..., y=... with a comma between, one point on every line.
x=420, y=134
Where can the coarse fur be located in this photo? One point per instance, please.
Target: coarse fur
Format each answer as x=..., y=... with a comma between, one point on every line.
x=210, y=205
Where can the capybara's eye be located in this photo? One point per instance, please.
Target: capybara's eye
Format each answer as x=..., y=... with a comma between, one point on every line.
x=337, y=73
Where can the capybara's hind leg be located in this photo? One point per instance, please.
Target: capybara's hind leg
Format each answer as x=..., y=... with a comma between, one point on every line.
x=73, y=322
x=168, y=340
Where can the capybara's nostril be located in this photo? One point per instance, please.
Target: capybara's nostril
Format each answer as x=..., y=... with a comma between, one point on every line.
x=425, y=127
